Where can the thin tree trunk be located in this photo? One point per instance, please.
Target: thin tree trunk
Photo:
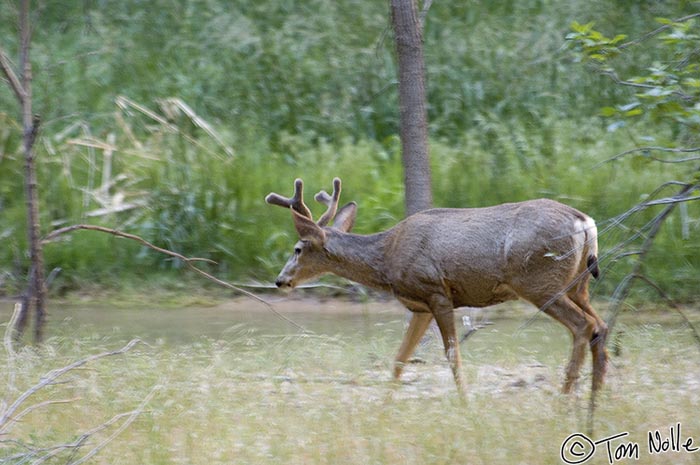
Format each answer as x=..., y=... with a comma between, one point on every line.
x=31, y=128
x=412, y=105
x=36, y=287
x=35, y=293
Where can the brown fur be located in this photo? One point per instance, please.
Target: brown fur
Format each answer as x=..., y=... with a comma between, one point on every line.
x=437, y=260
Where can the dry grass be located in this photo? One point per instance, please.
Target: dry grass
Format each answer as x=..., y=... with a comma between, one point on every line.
x=258, y=398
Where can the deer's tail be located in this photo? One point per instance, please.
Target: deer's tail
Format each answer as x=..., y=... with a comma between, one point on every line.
x=592, y=247
x=592, y=263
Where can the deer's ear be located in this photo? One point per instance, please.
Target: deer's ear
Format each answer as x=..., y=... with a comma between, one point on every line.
x=345, y=218
x=308, y=230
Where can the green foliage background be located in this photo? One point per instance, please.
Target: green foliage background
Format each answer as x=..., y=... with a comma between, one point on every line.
x=284, y=89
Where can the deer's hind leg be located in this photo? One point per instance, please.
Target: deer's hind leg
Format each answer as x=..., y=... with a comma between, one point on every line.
x=600, y=334
x=580, y=324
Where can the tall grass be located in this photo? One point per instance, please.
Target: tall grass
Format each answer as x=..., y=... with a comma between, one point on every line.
x=198, y=201
x=259, y=398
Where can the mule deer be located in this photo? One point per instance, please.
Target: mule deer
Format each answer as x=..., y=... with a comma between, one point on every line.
x=437, y=260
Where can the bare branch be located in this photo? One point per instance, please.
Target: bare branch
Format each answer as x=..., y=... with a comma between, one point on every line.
x=54, y=234
x=53, y=451
x=670, y=200
x=188, y=261
x=12, y=78
x=656, y=149
x=673, y=305
x=124, y=104
x=36, y=455
x=648, y=230
x=424, y=12
x=25, y=36
x=623, y=289
x=196, y=120
x=619, y=219
x=656, y=31
x=613, y=75
x=40, y=405
x=131, y=416
x=8, y=419
x=7, y=342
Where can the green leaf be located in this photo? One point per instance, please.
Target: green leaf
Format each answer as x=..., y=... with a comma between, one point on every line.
x=582, y=28
x=671, y=108
x=618, y=38
x=657, y=92
x=628, y=107
x=608, y=112
x=639, y=79
x=615, y=125
x=597, y=36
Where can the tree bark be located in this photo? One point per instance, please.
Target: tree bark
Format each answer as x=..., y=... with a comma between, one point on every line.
x=412, y=105
x=31, y=128
x=35, y=293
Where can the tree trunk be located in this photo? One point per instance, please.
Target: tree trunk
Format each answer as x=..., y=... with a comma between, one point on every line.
x=412, y=105
x=35, y=293
x=36, y=288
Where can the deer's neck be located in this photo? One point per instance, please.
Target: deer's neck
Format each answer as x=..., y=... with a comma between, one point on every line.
x=358, y=258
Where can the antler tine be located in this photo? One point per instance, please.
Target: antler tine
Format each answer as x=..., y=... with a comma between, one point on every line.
x=296, y=202
x=330, y=201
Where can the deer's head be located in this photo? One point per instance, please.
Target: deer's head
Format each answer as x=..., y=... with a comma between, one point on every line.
x=310, y=258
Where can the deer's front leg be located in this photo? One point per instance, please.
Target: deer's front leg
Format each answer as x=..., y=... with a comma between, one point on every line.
x=416, y=329
x=443, y=311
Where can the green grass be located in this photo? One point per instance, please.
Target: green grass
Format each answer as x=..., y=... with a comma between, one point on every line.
x=260, y=398
x=293, y=94
x=205, y=205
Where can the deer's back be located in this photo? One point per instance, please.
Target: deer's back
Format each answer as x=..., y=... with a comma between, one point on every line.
x=482, y=256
